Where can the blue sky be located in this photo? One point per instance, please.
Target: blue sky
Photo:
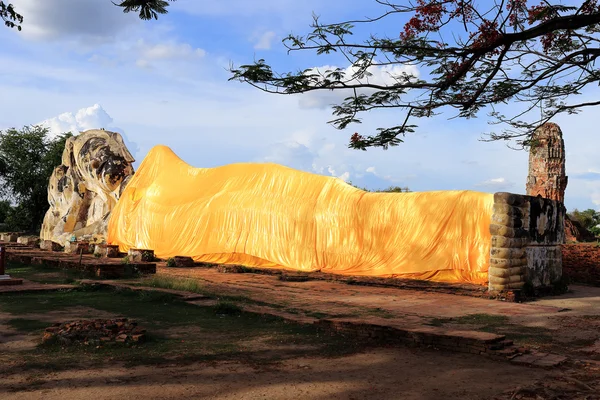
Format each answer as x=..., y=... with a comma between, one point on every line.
x=84, y=64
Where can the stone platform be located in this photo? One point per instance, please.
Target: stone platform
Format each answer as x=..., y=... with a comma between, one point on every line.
x=31, y=287
x=99, y=267
x=6, y=280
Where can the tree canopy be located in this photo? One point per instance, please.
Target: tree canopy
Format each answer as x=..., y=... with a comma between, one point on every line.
x=589, y=219
x=469, y=56
x=390, y=189
x=29, y=157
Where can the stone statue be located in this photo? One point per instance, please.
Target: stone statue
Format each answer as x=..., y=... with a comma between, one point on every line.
x=84, y=189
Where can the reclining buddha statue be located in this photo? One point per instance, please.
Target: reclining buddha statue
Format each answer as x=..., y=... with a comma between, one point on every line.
x=268, y=215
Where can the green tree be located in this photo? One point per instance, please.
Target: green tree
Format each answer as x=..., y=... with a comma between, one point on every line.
x=471, y=55
x=29, y=157
x=391, y=189
x=4, y=209
x=589, y=219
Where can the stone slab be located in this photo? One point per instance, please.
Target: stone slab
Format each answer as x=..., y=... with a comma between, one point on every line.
x=6, y=280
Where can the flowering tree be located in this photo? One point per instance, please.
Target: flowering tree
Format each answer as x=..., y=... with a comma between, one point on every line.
x=469, y=55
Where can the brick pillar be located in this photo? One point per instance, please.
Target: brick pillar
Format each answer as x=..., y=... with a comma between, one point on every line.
x=547, y=176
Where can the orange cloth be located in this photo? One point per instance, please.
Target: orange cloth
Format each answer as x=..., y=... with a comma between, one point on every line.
x=267, y=215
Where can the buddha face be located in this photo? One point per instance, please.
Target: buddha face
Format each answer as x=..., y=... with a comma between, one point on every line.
x=106, y=160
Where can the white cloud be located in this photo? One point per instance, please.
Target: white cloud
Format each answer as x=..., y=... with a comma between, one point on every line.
x=263, y=42
x=291, y=154
x=96, y=20
x=173, y=59
x=345, y=176
x=596, y=198
x=168, y=51
x=93, y=117
x=376, y=75
x=143, y=64
x=496, y=183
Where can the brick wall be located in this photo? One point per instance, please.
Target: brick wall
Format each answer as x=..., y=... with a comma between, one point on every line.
x=581, y=263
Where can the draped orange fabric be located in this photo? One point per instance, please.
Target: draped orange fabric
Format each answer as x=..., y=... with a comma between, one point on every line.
x=267, y=215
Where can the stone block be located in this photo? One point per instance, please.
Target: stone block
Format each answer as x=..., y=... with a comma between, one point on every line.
x=183, y=262
x=544, y=265
x=49, y=245
x=10, y=237
x=527, y=359
x=141, y=255
x=78, y=248
x=546, y=221
x=28, y=240
x=509, y=198
x=107, y=250
x=549, y=361
x=6, y=280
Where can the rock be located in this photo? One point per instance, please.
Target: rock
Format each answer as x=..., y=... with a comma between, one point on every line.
x=139, y=338
x=95, y=332
x=84, y=189
x=48, y=337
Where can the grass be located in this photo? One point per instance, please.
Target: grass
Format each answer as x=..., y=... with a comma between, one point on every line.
x=27, y=325
x=174, y=283
x=500, y=324
x=487, y=320
x=227, y=308
x=43, y=274
x=483, y=319
x=196, y=286
x=177, y=331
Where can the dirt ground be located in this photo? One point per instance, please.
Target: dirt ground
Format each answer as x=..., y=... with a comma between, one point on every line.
x=270, y=360
x=397, y=373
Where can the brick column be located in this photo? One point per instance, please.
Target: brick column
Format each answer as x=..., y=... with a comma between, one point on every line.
x=508, y=256
x=2, y=260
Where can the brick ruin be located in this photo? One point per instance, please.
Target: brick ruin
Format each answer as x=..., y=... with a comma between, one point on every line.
x=547, y=176
x=528, y=231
